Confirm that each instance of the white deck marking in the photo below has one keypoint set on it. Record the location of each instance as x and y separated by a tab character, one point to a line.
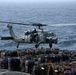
4	72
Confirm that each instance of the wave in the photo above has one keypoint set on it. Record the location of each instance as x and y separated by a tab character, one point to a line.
67	43
8	43
72	24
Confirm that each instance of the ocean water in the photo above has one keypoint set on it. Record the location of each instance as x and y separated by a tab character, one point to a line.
60	18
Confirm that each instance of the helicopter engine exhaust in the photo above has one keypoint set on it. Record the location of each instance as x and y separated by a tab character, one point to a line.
6	38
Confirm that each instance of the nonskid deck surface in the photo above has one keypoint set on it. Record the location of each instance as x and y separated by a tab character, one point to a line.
8	72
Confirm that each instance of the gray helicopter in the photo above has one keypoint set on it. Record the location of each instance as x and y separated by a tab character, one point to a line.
37	36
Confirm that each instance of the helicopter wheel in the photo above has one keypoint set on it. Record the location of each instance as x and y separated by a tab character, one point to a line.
50	45
18	45
36	46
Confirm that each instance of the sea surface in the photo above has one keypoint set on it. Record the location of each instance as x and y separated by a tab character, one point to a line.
60	18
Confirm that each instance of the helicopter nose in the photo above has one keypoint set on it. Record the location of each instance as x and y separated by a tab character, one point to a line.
48	40
52	40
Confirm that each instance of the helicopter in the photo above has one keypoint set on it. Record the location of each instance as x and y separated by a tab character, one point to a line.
37	35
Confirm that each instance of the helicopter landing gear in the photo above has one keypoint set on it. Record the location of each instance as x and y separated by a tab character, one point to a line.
18	45
37	45
50	45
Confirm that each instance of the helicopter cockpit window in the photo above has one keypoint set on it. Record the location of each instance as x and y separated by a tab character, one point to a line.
52	34
49	34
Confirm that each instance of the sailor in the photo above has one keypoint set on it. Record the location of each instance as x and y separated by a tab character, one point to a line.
15	64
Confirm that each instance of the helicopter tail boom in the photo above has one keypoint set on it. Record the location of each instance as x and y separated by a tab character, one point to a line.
6	38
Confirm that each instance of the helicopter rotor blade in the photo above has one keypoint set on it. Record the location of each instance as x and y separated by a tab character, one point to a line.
39	25
13	23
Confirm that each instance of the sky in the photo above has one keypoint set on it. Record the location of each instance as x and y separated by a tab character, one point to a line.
36	0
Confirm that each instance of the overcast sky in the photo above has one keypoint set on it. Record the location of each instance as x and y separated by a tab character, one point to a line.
35	0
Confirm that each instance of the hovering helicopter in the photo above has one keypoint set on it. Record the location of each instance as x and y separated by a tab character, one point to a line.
37	35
